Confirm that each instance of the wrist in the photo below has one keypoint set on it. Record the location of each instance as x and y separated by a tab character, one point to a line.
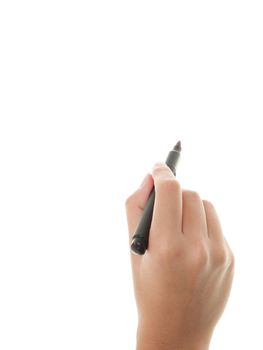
151	345
158	341
145	344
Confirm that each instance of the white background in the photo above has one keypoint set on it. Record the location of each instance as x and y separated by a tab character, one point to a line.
92	94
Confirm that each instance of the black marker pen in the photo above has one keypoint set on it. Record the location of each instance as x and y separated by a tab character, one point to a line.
141	236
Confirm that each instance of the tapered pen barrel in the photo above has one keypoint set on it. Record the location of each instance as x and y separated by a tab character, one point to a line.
140	238
172	160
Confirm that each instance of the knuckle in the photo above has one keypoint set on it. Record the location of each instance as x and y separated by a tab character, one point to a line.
227	255
169	185
220	256
200	256
231	259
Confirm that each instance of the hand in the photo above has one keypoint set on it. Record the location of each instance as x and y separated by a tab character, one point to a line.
183	280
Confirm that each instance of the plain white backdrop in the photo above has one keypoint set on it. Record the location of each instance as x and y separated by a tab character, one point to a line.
92	94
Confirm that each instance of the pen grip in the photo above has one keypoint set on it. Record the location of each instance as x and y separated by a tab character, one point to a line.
141	236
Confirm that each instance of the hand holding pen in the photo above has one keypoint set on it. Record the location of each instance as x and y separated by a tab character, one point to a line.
141	236
183	281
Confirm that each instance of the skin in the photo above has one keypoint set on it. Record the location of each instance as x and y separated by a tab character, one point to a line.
182	282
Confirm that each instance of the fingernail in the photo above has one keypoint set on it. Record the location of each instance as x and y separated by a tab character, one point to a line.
144	181
158	164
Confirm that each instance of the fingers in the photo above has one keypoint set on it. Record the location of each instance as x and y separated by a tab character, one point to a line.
175	212
194	217
167	211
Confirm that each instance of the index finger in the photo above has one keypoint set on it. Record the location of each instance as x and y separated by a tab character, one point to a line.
167	211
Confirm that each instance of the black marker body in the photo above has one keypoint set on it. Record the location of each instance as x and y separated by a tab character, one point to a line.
141	236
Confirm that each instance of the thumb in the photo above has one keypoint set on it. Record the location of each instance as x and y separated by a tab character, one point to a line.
136	202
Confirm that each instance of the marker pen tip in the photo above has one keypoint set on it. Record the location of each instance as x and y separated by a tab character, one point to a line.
178	146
